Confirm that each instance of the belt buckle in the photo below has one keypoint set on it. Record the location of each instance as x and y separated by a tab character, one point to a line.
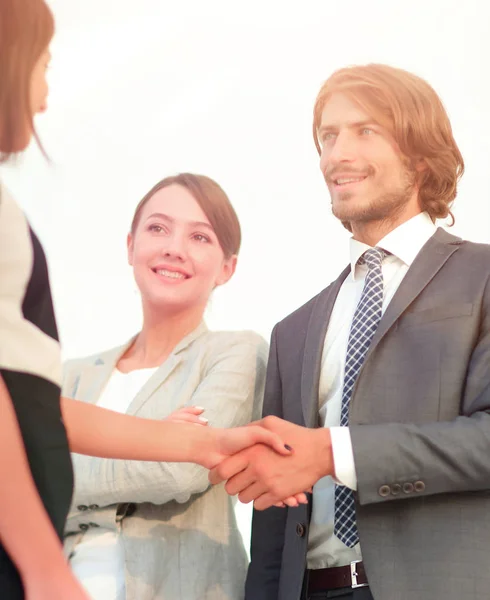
354	575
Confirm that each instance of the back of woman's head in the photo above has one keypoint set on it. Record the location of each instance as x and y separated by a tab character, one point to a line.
214	203
26	29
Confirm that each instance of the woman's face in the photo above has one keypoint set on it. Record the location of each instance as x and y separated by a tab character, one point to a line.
38	97
39	84
175	254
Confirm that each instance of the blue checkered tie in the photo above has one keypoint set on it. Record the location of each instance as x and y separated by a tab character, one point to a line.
364	324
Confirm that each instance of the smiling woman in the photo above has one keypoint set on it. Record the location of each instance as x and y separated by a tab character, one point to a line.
141	531
184	232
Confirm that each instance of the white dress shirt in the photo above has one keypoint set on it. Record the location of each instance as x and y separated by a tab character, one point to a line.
404	243
98	561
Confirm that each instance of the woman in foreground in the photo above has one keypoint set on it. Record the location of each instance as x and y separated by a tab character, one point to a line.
35	466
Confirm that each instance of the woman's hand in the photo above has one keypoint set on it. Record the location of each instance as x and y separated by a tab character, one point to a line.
231	441
223	443
59	584
187	414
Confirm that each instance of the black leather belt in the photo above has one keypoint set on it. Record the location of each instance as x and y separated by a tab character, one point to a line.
353	576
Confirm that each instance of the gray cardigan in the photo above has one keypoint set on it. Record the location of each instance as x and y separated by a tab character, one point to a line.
180	535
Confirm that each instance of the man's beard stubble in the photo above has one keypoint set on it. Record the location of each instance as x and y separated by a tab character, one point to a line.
387	206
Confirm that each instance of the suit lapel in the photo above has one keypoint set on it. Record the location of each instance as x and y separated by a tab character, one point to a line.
93	378
164	371
315	339
428	262
424	268
153	383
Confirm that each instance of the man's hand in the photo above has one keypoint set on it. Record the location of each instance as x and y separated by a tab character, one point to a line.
220	444
262	475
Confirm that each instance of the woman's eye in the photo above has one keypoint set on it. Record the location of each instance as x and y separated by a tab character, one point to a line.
201	238
155	228
367	131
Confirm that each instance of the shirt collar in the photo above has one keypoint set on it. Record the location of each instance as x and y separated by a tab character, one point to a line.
404	242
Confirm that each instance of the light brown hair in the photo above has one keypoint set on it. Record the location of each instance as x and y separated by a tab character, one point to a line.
26	29
408	107
214	203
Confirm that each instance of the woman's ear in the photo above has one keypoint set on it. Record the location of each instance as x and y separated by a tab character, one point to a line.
129	243
227	270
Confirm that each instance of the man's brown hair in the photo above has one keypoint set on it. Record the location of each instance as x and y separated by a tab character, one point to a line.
408	107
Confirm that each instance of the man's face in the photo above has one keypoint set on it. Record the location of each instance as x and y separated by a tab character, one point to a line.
366	175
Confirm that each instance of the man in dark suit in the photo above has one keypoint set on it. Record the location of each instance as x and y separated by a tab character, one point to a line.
381	382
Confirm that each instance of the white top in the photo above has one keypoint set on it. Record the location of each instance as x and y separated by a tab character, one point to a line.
404	243
28	342
98	562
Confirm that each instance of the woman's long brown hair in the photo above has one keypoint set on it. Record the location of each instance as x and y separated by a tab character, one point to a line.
26	29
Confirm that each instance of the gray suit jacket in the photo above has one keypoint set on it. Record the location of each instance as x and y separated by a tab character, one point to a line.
180	536
420	427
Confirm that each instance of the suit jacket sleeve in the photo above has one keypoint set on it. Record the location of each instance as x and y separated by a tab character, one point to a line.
441	456
268	527
231	392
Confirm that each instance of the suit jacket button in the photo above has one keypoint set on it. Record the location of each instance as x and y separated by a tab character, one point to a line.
83	526
408	488
94	506
384	491
396	488
300	530
82	507
419	486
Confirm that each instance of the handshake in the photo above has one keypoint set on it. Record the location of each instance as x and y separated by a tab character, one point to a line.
271	462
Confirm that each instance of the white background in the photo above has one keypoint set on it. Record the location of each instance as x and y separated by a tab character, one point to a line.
141	90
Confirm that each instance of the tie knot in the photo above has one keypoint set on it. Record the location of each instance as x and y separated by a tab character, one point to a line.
373	258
